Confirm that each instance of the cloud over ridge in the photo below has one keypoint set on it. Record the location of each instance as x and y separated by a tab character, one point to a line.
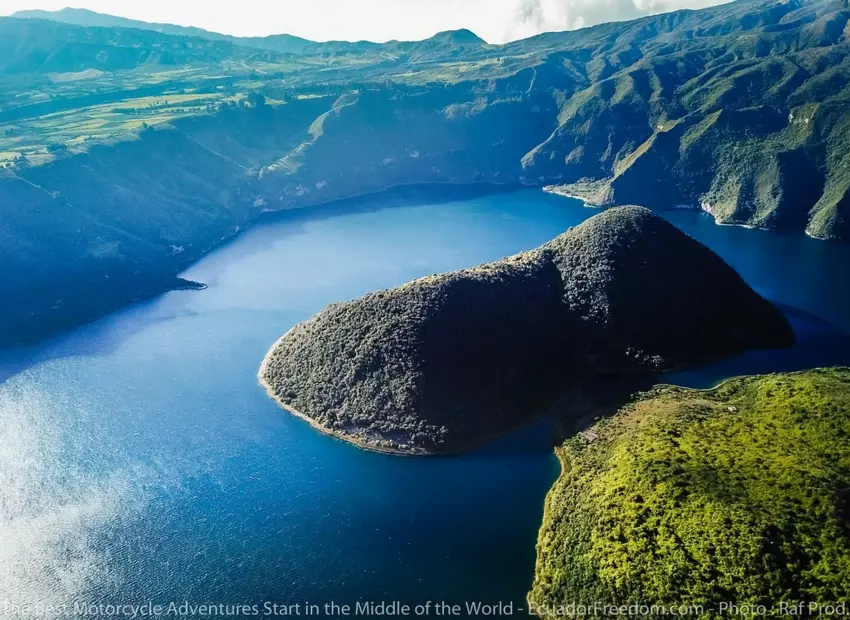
532	17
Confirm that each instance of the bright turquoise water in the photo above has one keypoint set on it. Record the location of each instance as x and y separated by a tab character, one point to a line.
140	460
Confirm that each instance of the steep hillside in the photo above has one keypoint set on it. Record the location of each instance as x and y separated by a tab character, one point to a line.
378	138
741	110
738	109
141	209
88	233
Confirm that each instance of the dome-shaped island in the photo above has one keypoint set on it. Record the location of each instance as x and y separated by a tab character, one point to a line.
447	362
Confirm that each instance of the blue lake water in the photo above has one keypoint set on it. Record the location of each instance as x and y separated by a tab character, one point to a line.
140	460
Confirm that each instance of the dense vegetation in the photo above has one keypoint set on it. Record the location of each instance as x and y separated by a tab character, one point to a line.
446	362
125	145
733	495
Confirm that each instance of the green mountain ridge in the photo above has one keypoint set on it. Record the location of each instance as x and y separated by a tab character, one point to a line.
282	43
154	147
37	46
83	17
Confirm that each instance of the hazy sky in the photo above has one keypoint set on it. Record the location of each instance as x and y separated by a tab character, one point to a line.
376	20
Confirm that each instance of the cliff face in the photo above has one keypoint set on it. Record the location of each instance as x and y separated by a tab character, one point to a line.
687	497
764	167
376	139
739	109
446	362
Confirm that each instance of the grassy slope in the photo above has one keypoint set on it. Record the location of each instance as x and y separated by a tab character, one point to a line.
698	497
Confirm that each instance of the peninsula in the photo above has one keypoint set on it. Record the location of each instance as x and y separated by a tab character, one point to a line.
730	496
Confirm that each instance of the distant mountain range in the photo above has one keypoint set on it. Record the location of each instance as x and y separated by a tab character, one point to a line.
153	146
282	43
79	39
83	17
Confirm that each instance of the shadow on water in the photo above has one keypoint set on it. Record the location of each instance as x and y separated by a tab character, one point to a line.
532	440
576	409
819	344
105	335
242	501
99	338
402	196
272	226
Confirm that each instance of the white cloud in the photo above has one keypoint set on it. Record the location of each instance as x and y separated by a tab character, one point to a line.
535	16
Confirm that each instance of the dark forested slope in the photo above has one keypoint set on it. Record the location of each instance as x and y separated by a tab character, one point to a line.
446	362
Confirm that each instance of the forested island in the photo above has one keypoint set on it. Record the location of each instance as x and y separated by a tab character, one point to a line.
446	362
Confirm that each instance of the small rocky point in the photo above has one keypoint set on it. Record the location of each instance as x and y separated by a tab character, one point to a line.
447	362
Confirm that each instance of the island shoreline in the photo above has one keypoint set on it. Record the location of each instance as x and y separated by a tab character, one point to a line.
355	441
368	447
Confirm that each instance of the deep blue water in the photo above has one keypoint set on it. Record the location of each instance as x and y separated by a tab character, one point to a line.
140	460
